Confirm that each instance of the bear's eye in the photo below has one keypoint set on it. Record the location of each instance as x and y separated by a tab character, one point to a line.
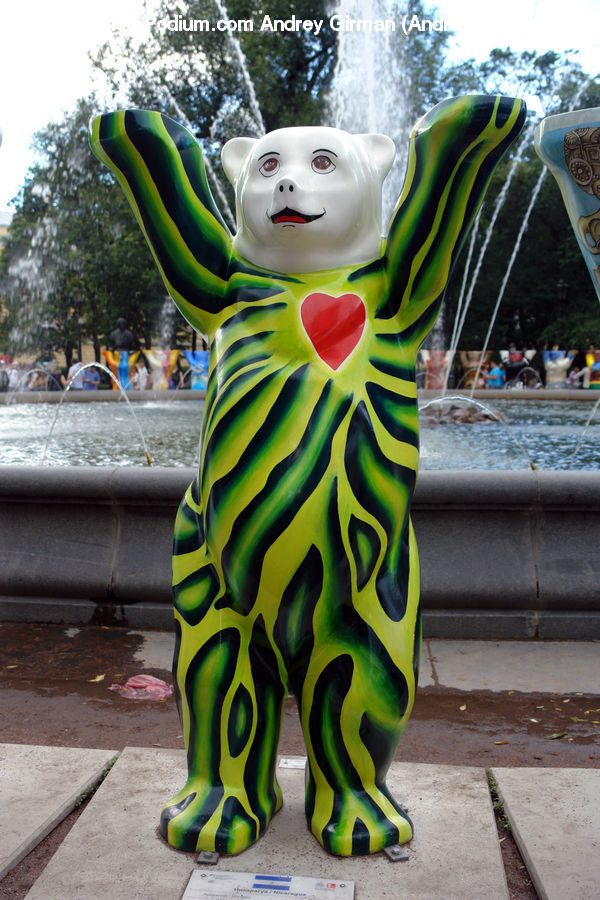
322	164
269	167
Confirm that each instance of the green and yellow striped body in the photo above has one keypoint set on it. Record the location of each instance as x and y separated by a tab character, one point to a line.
295	565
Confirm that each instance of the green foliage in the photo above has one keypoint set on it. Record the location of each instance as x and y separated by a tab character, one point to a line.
73	237
198	78
73	242
531	312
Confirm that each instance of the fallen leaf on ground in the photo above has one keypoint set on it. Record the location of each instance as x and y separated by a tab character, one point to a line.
502	742
97	678
463	707
557	735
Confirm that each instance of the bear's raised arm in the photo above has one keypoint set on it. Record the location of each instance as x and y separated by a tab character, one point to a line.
159	165
453	151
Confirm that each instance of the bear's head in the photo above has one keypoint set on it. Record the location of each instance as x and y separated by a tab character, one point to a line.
308	198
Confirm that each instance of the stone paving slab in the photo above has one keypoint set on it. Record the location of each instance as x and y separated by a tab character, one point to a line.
156	651
114	850
39	786
549	667
555	819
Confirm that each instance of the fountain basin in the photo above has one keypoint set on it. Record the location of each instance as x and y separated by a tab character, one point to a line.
542	426
100	396
92	545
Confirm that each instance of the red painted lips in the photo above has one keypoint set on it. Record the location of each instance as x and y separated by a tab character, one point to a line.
292	215
334	325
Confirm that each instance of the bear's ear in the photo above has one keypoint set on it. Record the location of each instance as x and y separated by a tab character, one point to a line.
234	154
380	150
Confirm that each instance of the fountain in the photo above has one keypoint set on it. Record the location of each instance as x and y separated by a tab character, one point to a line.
464	302
188	613
484	414
117	386
371	89
23	381
96	433
534	195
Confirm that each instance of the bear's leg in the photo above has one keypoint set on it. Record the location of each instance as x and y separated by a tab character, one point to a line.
231	705
230	697
353	715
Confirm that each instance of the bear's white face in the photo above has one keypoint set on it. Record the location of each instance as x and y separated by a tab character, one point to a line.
308	198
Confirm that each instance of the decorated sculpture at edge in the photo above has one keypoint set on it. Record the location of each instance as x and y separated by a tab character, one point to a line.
569	144
123	355
295	565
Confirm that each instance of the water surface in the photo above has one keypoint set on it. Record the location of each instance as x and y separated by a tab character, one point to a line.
103	434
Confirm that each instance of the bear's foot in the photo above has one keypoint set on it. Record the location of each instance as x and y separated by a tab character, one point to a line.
217	819
360	823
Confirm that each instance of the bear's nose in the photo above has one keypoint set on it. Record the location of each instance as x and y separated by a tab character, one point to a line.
286	186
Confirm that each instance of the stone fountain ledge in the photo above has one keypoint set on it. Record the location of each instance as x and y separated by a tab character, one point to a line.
504	554
514	394
106	396
100	396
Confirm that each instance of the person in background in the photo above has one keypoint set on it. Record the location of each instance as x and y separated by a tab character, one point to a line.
14	376
91	379
75	376
141	376
537	362
579	378
496	378
56	380
176	377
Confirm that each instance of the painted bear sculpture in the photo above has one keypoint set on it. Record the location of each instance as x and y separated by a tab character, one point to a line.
295	565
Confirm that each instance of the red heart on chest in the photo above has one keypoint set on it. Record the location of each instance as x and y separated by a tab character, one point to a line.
334	325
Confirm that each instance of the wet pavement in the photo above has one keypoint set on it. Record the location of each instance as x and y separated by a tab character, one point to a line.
54	690
510	706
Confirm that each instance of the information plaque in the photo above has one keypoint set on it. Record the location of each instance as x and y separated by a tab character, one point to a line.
241	885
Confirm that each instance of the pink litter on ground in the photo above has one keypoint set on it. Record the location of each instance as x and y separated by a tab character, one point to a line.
143	687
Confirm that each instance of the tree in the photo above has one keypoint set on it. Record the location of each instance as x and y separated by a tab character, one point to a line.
222	84
73	243
531	311
74	238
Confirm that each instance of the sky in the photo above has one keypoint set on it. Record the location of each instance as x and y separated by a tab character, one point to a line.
45	66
